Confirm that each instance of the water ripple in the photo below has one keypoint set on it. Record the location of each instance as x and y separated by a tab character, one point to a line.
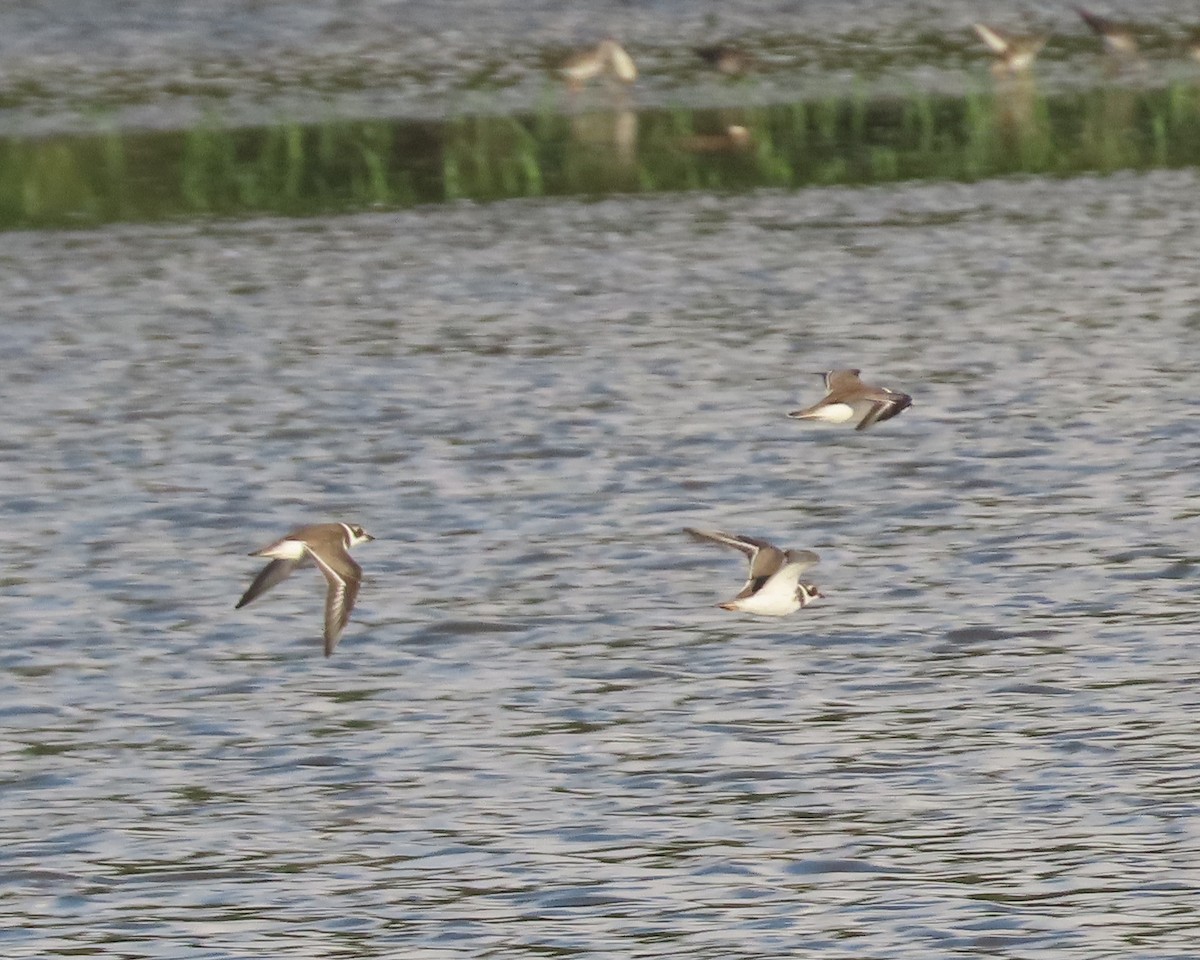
538	733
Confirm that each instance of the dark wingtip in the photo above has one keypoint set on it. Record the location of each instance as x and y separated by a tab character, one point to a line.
1097	23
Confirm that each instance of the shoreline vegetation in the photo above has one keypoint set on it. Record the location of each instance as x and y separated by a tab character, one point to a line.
342	165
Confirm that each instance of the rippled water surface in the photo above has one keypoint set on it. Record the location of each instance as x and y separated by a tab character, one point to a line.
538	735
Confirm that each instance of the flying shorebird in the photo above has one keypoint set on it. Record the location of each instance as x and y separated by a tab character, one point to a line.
1013	53
607	56
773	588
328	546
848	398
1118	37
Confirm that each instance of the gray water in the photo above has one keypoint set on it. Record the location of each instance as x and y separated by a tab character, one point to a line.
538	735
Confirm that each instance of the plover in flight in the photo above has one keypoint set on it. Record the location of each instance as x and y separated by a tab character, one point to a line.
328	546
773	588
1013	53
1118	38
848	398
607	56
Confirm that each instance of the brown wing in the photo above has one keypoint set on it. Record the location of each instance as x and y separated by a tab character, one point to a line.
338	603
274	572
841	382
765	558
885	404
344	576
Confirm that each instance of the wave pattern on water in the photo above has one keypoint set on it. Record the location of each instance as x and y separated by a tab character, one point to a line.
538	735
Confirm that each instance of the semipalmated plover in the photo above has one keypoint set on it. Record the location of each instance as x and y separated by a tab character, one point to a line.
1118	37
328	545
773	588
606	56
726	59
848	398
1013	53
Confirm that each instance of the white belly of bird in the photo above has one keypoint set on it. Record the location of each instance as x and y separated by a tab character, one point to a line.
777	598
833	413
286	550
